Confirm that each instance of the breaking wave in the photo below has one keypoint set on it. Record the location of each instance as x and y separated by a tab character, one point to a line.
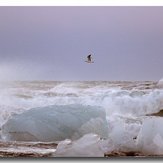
125	105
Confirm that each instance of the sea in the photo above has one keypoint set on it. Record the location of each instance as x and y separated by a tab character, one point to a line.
80	118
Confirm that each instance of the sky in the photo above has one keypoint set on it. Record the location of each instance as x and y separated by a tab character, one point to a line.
52	43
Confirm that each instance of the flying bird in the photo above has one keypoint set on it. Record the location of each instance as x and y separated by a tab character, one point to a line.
89	59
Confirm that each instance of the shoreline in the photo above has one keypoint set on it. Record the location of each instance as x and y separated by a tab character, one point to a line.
18	149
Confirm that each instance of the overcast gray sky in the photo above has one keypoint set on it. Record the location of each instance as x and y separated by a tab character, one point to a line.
51	43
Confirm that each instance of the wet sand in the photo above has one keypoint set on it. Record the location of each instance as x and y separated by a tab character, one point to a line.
158	114
27	149
43	149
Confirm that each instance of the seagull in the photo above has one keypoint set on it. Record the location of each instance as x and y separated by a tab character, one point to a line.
89	59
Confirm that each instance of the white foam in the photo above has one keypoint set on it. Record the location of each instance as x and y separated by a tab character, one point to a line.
114	100
160	83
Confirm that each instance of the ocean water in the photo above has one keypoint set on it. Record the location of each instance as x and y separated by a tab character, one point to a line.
125	107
